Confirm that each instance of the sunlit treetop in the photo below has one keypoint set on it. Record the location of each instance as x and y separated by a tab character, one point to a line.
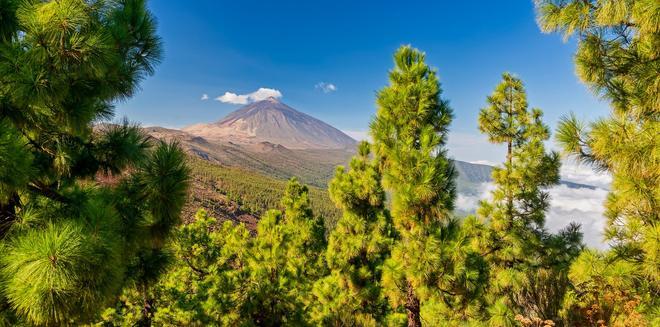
618	48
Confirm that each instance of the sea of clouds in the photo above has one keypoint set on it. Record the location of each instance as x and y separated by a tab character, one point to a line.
581	205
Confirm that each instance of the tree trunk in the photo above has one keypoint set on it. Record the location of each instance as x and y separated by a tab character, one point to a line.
412	308
509	159
509	196
147	310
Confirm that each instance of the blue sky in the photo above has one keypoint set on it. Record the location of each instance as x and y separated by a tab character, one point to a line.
213	47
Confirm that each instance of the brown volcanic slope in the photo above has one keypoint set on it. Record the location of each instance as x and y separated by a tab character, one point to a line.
239	182
311	166
273	121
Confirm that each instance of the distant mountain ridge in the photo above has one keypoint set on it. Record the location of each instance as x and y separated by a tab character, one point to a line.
275	122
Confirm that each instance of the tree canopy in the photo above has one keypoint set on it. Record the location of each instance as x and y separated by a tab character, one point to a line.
618	57
85	208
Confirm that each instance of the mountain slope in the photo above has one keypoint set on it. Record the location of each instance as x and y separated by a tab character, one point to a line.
312	166
273	121
471	176
241	195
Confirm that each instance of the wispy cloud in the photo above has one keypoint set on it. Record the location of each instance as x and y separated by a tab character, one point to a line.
469	202
325	87
205	97
262	93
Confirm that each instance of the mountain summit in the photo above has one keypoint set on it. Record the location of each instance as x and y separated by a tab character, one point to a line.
273	121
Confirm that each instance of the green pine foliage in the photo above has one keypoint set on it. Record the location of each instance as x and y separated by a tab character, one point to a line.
70	244
409	134
90	212
357	247
257	193
603	291
521	255
221	275
617	57
205	283
285	262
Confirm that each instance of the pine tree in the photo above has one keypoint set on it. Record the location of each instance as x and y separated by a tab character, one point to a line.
618	57
357	247
205	283
409	134
68	241
285	261
515	242
602	290
306	233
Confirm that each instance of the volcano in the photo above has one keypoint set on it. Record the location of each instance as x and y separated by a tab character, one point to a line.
272	121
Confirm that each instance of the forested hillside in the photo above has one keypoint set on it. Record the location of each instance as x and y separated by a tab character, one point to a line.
315	167
230	193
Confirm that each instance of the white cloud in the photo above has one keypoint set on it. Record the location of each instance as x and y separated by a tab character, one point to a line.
469	202
583	174
205	97
358	135
580	205
325	87
233	98
261	94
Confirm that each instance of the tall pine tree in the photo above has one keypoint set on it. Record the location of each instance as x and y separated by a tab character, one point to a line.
515	243
409	133
619	58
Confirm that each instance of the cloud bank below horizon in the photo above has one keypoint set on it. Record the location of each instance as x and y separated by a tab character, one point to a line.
581	205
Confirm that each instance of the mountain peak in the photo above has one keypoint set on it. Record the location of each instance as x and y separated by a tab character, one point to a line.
272	121
272	100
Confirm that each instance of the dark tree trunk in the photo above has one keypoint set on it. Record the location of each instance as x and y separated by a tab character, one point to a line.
147	310
509	196
412	308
